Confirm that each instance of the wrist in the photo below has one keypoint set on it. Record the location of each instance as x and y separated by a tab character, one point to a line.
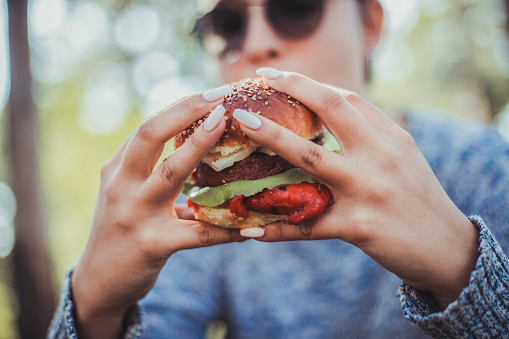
94	316
456	274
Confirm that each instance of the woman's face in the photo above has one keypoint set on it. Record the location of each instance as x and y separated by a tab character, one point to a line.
334	53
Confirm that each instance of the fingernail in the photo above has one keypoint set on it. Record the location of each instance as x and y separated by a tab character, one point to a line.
252	232
216	93
269	72
247	119
214	118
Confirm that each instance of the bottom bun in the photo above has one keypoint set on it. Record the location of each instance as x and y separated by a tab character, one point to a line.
222	216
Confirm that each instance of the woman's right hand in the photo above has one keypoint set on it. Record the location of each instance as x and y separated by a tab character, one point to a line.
135	227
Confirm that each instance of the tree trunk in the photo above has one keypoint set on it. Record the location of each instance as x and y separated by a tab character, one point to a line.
506	3
31	265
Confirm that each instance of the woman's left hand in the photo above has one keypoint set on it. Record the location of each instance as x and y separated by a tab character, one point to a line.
387	201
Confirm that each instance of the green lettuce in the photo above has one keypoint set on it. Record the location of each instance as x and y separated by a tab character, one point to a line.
332	144
215	196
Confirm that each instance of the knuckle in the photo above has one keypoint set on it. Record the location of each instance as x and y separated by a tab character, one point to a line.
353	98
145	131
380	191
189	103
147	241
168	170
306	229
277	137
107	170
312	155
361	232
195	142
332	102
205	235
406	140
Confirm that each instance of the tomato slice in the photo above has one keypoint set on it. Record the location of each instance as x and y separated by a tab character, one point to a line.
299	201
237	206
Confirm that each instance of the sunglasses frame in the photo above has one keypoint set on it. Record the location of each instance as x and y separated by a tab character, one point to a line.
204	26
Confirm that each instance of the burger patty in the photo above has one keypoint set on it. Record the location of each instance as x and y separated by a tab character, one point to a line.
256	166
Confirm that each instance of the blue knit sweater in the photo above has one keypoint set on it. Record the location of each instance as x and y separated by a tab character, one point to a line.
330	289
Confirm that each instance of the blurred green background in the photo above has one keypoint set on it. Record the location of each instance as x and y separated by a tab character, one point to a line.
101	67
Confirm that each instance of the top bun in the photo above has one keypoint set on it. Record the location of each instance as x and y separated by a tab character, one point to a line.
256	97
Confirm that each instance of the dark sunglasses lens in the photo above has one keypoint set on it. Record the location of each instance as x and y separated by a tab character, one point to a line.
221	31
294	18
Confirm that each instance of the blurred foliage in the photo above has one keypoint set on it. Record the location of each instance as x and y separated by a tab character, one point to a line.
453	59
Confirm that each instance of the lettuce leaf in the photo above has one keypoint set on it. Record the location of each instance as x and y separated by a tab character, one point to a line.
332	144
215	196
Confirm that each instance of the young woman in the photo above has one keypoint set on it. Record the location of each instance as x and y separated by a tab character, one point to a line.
419	201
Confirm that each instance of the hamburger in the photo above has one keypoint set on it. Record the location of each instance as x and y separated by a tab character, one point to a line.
241	184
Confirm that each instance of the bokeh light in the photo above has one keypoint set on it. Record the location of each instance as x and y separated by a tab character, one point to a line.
137	28
151	68
107	99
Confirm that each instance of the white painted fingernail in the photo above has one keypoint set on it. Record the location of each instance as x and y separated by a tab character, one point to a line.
269	72
214	118
252	232
247	119
217	93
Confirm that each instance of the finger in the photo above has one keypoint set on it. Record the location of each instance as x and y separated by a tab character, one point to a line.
339	116
317	161
166	182
114	162
191	234
313	229
375	117
147	144
184	212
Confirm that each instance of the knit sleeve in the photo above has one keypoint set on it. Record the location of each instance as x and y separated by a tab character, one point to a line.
63	324
481	310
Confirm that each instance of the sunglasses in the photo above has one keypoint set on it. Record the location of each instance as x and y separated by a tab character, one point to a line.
222	31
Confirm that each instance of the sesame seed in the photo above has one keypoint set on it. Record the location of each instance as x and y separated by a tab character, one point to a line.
266	103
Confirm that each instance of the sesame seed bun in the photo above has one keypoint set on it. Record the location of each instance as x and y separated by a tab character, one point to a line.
223	217
254	96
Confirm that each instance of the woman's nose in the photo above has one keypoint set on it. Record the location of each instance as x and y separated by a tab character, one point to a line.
261	43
